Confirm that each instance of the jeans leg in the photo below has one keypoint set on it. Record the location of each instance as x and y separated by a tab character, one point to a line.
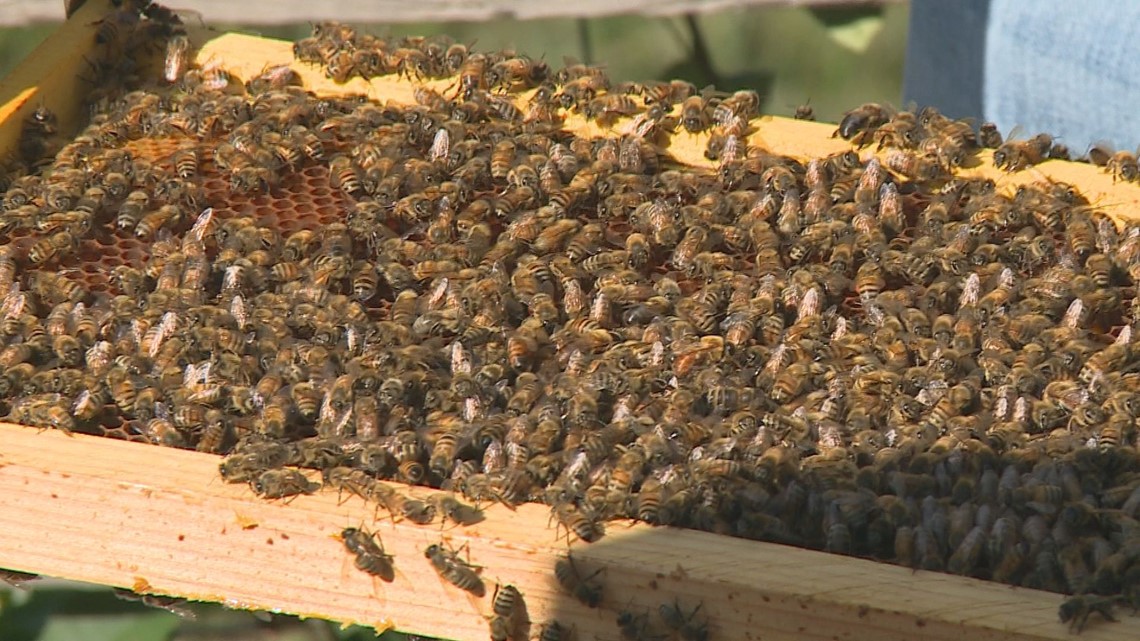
945	53
1065	68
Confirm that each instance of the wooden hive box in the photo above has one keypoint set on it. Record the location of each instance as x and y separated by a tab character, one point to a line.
160	520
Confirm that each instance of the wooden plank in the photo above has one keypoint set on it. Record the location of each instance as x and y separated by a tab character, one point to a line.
51	76
129	514
245	55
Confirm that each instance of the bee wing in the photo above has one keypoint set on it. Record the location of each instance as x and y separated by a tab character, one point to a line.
710	91
1100	152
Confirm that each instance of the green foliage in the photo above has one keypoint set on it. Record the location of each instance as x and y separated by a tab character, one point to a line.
63	611
16	43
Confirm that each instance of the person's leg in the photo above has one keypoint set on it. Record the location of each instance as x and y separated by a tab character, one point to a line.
945	53
1065	68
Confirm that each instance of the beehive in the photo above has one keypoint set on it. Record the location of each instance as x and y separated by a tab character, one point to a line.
264	210
305	200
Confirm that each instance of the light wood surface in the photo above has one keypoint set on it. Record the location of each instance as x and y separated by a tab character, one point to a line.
135	515
245	55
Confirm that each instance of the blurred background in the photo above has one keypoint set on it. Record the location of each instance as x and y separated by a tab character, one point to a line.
831	55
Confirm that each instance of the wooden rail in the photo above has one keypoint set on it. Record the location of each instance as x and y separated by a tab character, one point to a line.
249	55
160	520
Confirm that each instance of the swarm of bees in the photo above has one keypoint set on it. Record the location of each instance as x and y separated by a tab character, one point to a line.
868	356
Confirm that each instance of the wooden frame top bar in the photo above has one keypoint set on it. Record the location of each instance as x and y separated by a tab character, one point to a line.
160	520
249	55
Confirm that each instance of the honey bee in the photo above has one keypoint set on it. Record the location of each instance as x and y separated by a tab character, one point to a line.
583	524
965	556
172	605
164	217
37	133
282	483
605	260
666	94
370	555
694	114
275	77
161	431
345	174
454	570
1015	155
506	601
516	73
7	268
860	123
609	107
58	244
185	163
1076	609
687	626
456	511
415	510
53	288
585	589
43	410
502	158
131	210
1122	164
989	136
505	604
472	76
581	90
216	432
177	57
914	165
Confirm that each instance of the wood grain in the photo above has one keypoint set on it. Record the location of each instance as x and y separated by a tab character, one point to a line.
130	515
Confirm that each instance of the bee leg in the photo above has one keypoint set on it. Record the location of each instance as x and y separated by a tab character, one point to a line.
466	550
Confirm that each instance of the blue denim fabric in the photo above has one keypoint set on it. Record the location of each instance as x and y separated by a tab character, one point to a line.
945	55
1063	67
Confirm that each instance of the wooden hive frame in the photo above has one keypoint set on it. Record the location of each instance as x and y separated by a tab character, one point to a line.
160	520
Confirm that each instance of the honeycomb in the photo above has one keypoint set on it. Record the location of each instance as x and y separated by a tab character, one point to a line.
305	200
869	356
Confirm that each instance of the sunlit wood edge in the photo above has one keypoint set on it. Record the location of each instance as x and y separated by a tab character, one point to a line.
248	55
160	520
